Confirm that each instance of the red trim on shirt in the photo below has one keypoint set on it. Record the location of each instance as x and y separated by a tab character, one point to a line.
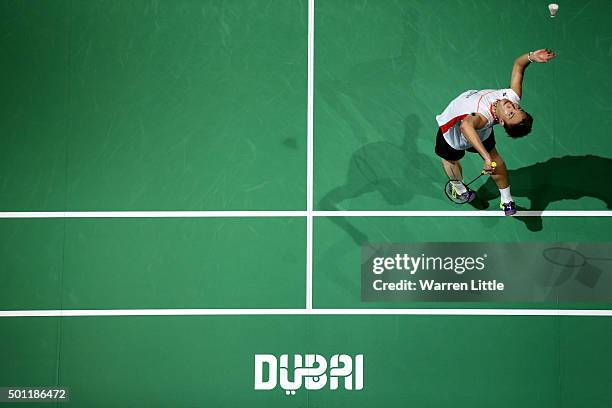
492	114
444	128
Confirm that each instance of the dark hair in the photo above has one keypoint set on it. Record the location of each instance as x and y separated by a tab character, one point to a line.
520	129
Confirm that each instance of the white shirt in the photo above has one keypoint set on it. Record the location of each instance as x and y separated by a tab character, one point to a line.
466	103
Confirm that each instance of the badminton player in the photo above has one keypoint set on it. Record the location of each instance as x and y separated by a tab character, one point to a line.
467	124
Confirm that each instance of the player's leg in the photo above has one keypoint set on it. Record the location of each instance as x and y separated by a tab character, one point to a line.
452	167
500	177
450	158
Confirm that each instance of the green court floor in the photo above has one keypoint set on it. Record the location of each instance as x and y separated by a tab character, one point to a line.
385	69
201	105
414	360
153	105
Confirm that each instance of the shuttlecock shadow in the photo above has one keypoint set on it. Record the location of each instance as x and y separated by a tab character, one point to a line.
557	179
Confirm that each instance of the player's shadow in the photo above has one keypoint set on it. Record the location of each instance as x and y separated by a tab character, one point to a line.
397	172
367	99
559	178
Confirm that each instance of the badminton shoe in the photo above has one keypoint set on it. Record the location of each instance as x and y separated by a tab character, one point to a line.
509	208
467	197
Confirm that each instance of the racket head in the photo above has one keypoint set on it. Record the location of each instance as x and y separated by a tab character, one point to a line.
452	194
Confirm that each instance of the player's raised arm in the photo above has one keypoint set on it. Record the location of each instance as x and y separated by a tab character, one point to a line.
516	81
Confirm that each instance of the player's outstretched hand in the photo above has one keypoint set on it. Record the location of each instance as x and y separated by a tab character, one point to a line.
543	55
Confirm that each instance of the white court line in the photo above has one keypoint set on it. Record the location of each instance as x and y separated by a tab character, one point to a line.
298	312
461	214
302	214
152	214
309	155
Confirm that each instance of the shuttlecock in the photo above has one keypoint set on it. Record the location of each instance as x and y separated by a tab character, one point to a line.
553	8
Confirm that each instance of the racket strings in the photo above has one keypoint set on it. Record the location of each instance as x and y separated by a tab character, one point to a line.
454	195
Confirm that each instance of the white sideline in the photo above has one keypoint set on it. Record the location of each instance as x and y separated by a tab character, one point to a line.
309	154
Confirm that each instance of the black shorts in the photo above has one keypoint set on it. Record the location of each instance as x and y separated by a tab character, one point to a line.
445	151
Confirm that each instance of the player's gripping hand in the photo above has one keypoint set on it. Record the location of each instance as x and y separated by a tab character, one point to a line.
543	55
488	167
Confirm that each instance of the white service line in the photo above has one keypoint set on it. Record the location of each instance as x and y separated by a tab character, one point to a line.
298	312
295	214
309	154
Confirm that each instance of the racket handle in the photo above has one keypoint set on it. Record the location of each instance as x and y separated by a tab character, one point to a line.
493	166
